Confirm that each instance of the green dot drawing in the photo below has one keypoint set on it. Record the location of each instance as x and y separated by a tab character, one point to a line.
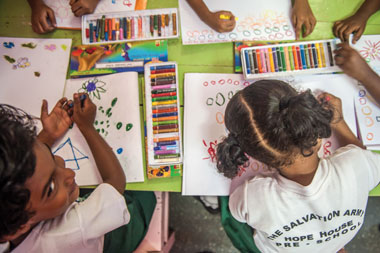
98	130
102	130
100	108
101	122
108	112
113	102
108	126
102	111
109	115
129	126
119	125
96	122
9	59
108	121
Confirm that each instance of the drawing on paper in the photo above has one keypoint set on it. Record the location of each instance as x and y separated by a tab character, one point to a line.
22	62
371	52
93	87
75	154
64	47
87	56
30	45
51	47
8	44
211	150
9	59
37	74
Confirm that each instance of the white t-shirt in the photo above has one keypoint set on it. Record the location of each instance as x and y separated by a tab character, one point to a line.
321	217
82	227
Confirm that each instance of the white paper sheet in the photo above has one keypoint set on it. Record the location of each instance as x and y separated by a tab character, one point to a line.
206	96
32	70
257	20
66	19
117	120
369	47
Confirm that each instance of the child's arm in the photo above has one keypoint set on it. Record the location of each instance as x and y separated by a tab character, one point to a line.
351	62
357	22
54	124
43	19
302	15
213	19
338	125
81	7
105	159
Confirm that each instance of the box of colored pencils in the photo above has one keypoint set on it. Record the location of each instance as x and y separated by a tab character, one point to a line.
130	26
164	141
163	171
309	57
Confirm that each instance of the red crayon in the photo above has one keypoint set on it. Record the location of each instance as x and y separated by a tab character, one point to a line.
299	57
158	71
109	29
165	110
164	94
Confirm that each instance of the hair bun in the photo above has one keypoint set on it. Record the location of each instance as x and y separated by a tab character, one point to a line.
230	156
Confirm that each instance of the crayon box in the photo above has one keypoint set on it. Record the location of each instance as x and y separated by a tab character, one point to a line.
162	113
311	57
136	25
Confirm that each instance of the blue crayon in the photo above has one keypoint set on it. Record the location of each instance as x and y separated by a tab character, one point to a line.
169	147
166	143
315	58
302	51
248	65
91	32
275	60
165	114
162	67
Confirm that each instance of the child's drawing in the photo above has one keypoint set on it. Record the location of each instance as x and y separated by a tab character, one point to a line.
211	150
256	21
8	44
30	45
9	59
93	87
50	47
371	52
22	63
88	55
73	154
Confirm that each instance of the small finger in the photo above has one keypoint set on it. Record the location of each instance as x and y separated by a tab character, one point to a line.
44	109
307	30
298	30
52	17
357	35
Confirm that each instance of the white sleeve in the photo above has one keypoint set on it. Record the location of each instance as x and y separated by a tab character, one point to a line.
103	211
373	160
238	203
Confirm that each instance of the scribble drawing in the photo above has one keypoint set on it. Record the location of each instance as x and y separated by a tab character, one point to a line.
93	87
50	47
30	45
22	62
371	52
211	150
77	155
326	149
9	59
8	44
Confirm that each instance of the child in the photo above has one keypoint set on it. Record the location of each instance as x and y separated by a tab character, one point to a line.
313	204
301	16
43	19
357	22
351	62
37	191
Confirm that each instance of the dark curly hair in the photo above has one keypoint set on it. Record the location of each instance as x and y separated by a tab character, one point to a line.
17	163
271	122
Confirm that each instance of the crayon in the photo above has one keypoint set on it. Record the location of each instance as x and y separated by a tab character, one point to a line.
175	138
267	60
106	29
172	108
294	50
140	29
163	79
164	94
165	122
165	152
254	61
151	25
174	147
263	60
162	67
161	131
299	57
260	68
322	48
307	57
167	143
166	156
90	32
163	91
125	30
331	59
81	98
271	61
132	27
287	62
97	28
315	57
250	55
162	82
155	24
159	87
168	114
318	51
158	71
102	27
162	75
311	56
121	29
167	102
291	57
174	20
279	60
275	60
164	110
164	98
109	29
303	60
159	24
160	119
248	62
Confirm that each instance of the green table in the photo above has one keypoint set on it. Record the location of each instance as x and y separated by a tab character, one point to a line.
211	58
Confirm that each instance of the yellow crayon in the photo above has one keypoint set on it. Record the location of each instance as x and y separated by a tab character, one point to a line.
164	102
322	54
226	17
319	55
271	60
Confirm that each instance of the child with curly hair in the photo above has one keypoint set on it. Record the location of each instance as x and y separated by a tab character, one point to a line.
312	204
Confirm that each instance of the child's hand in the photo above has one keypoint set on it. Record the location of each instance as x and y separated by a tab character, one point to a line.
43	19
351	62
335	104
84	112
354	24
220	25
56	123
81	7
302	15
